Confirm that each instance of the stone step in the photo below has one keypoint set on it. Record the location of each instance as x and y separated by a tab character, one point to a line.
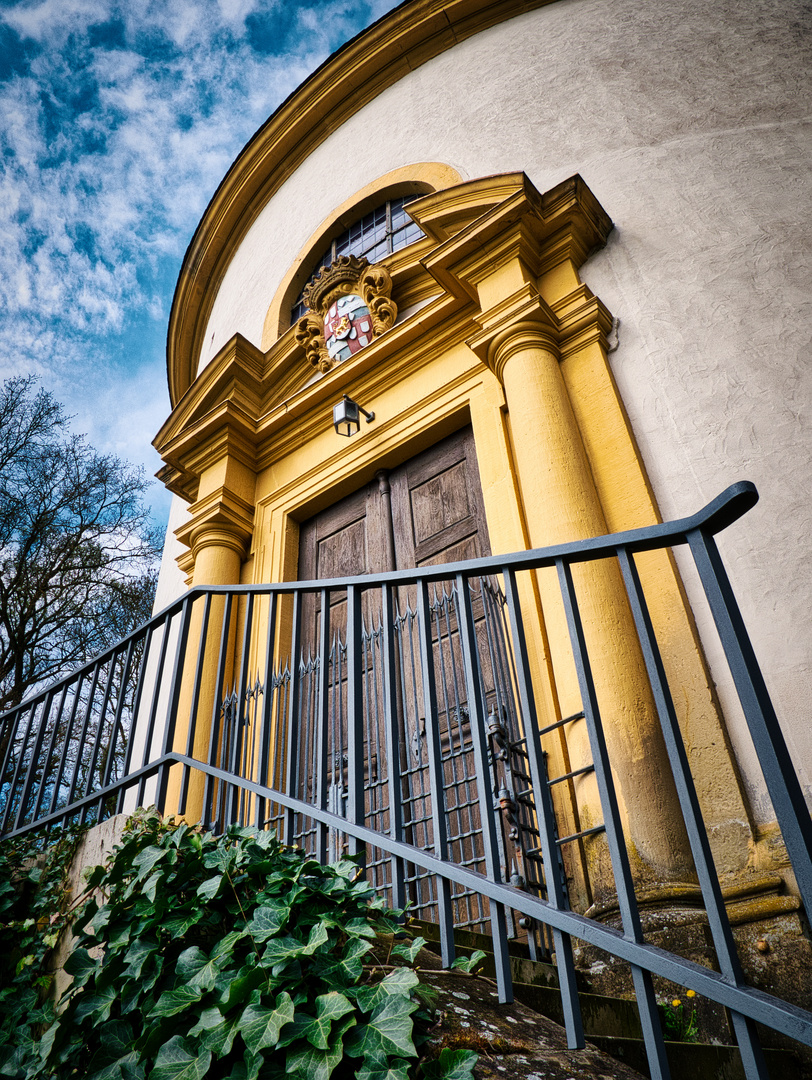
697	1061
601	1015
611	1024
523	969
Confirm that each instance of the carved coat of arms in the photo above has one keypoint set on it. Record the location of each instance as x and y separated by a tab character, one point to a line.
349	306
347	327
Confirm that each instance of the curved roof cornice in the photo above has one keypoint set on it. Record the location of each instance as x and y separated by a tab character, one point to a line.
398	43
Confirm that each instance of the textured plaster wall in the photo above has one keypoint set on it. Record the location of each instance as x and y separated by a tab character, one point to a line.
691	123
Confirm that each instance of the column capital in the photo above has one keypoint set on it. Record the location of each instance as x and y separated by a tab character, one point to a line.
525	320
521	321
222	519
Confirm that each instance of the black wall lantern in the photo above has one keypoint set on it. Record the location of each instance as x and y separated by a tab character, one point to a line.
347	416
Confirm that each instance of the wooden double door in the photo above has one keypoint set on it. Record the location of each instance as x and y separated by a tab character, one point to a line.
428	510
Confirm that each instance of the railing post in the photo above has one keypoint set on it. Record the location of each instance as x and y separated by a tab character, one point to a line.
435	755
153	710
746	1034
392	735
194	703
780	777
49	752
476	708
241	683
545	812
174	699
627	901
356	808
322	722
267	705
292	748
128	757
35	756
211	815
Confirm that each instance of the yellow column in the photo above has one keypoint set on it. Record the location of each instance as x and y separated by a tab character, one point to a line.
218	536
561	504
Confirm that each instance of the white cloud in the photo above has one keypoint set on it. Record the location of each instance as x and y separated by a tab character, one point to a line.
117	122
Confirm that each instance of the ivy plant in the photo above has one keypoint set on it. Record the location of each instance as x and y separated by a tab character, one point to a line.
234	957
33	913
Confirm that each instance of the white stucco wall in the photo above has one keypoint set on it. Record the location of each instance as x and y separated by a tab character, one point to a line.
171	580
691	123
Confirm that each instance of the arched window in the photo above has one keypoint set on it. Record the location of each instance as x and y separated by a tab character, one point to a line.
377	234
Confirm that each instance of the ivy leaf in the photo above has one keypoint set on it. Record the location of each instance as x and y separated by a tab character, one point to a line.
260	1026
94	877
397	1069
346	868
278	949
176	1062
318	937
221	858
450	1065
146	860
150	888
116	1069
316	1029
241	988
208	1019
357	928
468	963
351	964
81	965
210	888
116	1040
388	1032
220	1038
100	920
408	950
137	955
264	839
250	1066
175	1001
179	922
267	922
312	1064
217	1033
199	971
96	1005
400	981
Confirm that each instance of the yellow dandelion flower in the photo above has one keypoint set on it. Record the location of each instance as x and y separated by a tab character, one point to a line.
690	993
675	1004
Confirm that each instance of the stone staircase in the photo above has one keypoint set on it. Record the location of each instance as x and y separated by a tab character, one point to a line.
612	1024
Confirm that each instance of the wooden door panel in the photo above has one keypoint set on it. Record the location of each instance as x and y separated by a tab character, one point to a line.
437	505
439	502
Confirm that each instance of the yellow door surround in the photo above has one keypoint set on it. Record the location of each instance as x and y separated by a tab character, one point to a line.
497	328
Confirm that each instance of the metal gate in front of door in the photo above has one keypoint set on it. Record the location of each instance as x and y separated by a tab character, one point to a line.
311	738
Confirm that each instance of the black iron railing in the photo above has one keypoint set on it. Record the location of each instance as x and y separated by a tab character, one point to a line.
395	718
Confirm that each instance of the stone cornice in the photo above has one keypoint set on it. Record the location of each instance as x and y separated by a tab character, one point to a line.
564	224
377	58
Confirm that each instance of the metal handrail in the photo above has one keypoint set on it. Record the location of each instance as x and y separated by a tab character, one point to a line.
275	743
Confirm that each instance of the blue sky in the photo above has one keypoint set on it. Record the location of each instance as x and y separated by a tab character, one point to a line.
117	122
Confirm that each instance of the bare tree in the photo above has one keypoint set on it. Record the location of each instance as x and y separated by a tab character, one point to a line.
78	554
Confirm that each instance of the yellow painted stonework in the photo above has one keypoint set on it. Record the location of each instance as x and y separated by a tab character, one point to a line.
509	340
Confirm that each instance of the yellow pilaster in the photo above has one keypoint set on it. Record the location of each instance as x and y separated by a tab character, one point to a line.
561	504
219	536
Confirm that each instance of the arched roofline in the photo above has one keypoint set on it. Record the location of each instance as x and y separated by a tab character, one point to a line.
356	73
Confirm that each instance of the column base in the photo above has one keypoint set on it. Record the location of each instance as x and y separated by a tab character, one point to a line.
769	927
